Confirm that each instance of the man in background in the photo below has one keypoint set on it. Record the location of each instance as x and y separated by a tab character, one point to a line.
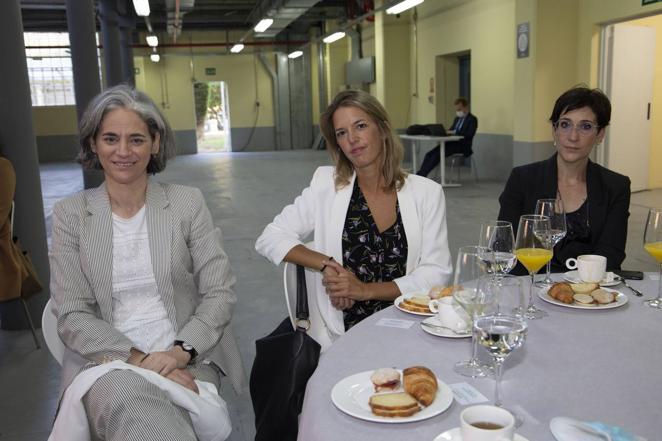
465	125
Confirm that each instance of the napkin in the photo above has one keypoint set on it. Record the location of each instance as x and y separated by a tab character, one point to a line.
568	429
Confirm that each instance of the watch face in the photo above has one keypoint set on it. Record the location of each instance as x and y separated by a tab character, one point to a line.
187	347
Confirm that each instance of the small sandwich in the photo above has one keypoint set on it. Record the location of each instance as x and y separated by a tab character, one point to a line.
584	288
439	291
603	297
385	379
398	404
416	304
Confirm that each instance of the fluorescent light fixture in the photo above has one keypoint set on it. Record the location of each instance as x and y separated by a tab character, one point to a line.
295	54
237	48
333	37
152	40
263	25
403	6
155	58
141	7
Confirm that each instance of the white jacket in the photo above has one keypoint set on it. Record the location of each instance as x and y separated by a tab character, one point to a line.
321	210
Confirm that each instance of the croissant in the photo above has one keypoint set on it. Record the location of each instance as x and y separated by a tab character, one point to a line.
420	383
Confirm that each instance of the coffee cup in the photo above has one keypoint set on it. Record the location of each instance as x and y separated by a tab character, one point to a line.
486	423
591	267
449	313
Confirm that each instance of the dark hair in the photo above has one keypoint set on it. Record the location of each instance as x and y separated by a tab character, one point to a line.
394	176
124	97
581	96
463	101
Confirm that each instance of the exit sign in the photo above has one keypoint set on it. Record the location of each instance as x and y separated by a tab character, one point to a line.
210	71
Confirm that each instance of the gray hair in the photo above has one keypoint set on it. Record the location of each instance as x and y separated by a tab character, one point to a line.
124	97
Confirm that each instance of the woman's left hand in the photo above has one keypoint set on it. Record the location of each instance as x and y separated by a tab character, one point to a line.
344	284
163	363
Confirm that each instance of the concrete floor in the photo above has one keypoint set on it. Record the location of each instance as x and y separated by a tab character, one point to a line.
243	191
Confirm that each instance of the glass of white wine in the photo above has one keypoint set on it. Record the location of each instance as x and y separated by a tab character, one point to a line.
533	250
497	238
500	335
653	245
470	291
552	208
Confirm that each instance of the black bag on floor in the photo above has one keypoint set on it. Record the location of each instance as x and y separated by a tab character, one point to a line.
284	361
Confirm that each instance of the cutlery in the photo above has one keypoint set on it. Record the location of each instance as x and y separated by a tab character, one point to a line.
446	328
636	292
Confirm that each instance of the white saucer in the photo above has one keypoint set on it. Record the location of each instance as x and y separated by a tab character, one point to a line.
573	277
455	435
441	332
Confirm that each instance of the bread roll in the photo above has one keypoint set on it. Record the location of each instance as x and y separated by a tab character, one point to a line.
584	288
583	299
421	383
438	291
602	296
562	292
385	379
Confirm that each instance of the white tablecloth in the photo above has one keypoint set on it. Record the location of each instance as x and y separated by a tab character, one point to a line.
589	365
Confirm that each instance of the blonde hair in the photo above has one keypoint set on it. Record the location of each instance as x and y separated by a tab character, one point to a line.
394	175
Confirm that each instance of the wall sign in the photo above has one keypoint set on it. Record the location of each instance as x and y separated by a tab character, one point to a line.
210	71
523	40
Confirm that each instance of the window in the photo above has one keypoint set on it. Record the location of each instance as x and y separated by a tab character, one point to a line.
49	68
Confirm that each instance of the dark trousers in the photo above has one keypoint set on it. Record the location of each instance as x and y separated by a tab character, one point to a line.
431	159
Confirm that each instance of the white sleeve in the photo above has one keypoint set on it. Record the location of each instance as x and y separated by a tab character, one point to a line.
290	227
434	266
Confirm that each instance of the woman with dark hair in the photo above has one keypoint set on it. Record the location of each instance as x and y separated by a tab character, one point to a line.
596	200
378	232
141	285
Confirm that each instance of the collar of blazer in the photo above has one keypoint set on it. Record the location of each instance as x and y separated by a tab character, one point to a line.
97	246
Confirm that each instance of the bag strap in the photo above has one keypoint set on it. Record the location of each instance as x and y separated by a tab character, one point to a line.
302	298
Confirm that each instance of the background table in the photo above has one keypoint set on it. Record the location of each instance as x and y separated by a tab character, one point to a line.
417	140
589	365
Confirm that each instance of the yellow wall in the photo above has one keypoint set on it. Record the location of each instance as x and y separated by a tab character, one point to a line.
487	29
526	11
396	67
337	54
50	121
655	169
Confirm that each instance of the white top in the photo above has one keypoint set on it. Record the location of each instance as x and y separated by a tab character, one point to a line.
138	311
321	210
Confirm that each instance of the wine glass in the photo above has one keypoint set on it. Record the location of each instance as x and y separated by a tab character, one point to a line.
469	290
498	239
653	245
510	297
533	250
500	335
552	208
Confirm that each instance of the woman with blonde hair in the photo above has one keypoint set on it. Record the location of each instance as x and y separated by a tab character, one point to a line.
378	232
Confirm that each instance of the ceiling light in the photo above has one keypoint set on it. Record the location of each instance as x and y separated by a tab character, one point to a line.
141	7
295	54
263	25
152	40
237	48
155	58
333	37
403	6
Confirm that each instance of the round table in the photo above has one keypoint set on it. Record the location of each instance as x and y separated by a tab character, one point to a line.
589	365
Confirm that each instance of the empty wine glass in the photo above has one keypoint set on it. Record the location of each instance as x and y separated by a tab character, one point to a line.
533	250
509	295
653	245
469	290
553	209
498	240
500	335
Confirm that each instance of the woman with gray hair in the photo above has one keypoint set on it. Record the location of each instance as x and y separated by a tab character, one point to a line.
142	287
378	232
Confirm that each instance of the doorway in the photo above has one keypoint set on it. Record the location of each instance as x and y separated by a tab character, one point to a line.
453	79
212	116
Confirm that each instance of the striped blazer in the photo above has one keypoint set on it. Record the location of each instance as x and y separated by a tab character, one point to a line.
191	269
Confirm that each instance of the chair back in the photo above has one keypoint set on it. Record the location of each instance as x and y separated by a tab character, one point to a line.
49	329
317	328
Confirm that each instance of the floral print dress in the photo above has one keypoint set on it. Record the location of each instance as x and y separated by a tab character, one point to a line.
372	256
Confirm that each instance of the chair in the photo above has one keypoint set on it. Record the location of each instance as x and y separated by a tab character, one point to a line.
317	329
49	329
457	160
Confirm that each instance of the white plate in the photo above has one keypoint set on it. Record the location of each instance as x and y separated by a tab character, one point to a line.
573	277
621	299
440	332
351	395
455	435
400	299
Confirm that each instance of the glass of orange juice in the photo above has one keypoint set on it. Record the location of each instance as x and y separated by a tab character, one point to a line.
533	248
653	245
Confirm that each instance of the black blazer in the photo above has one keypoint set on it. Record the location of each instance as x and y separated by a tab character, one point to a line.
468	130
608	205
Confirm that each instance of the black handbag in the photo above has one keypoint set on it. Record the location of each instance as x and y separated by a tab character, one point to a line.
284	361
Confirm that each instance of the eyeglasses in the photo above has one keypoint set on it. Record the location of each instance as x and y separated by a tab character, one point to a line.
585	128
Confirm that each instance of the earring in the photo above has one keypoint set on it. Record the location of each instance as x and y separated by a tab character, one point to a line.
554	143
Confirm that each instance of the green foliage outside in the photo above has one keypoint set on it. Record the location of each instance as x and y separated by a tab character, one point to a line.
201	95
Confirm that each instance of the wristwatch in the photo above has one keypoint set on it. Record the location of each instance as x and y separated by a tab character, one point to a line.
187	348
